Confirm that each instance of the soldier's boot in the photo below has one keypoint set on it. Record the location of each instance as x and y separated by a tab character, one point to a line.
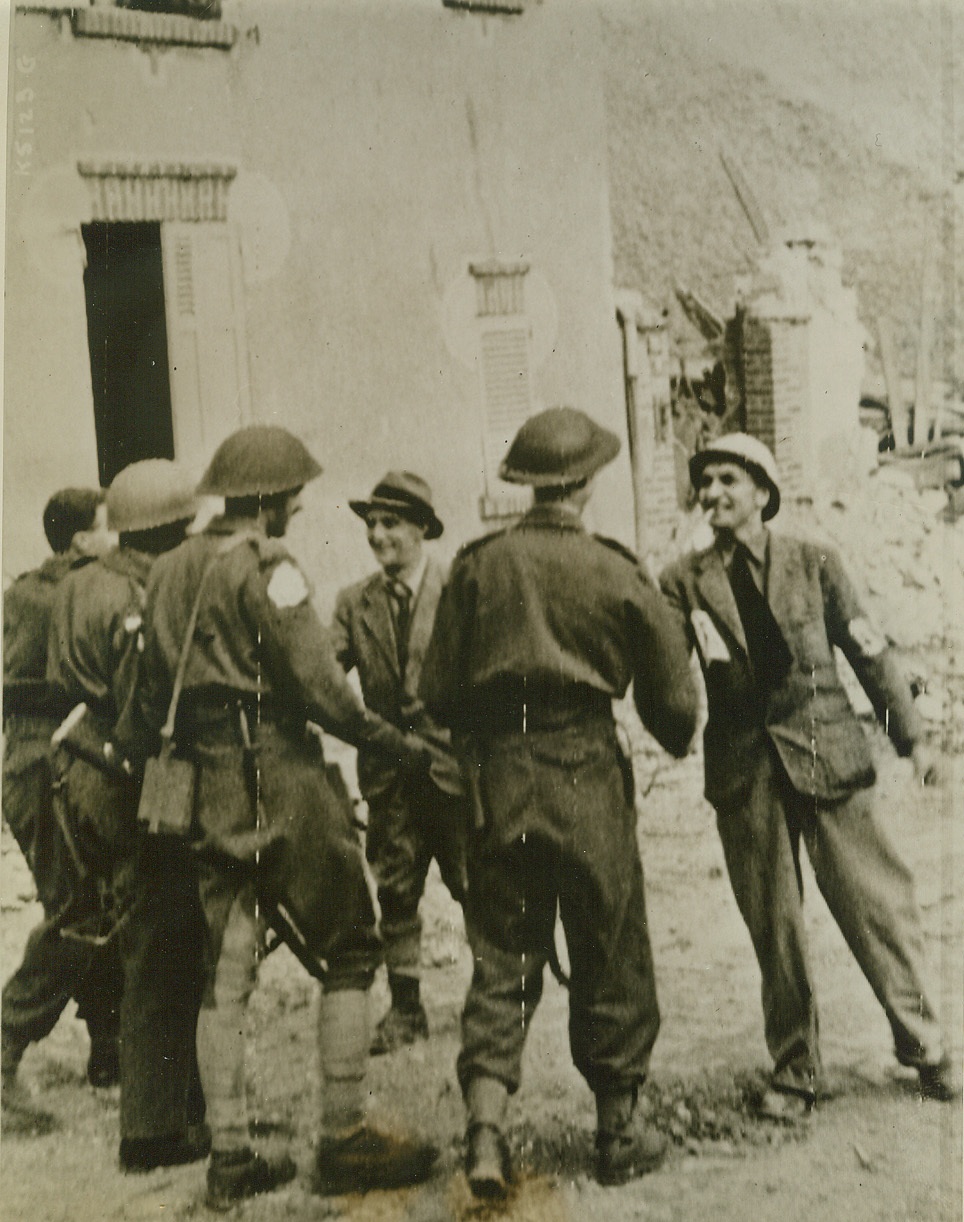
235	1175
488	1166
940	1081
353	1155
626	1146
406	1021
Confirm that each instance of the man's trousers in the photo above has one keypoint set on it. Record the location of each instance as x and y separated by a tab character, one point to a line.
870	894
409	824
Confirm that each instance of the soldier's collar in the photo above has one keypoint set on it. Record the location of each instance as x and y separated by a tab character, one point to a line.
225	524
129	562
555	515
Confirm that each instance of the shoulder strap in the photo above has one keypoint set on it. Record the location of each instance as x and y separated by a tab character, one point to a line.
167	730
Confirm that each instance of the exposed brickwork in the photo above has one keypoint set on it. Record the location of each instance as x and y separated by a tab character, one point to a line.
776	384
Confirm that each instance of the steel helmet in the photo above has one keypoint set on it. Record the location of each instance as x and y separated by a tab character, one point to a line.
751	454
259	460
559	446
153	492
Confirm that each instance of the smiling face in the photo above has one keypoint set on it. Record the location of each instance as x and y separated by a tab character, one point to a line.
396	541
732	499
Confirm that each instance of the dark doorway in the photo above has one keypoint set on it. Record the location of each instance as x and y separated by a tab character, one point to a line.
127	337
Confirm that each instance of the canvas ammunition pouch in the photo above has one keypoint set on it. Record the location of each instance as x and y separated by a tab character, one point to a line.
170	780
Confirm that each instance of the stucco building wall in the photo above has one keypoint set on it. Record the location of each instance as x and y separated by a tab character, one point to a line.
379	148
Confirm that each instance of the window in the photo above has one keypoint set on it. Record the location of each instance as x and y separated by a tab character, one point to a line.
165	311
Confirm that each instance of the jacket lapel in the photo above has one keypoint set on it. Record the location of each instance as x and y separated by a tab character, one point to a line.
714	588
786	583
377	618
423	620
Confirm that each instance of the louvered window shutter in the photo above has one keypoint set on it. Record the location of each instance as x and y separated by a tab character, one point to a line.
203	292
504	369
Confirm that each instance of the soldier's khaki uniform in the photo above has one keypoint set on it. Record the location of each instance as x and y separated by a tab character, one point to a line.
53	969
260	648
538	630
95	650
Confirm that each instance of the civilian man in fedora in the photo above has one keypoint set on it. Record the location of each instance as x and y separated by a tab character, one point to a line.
381	628
787	760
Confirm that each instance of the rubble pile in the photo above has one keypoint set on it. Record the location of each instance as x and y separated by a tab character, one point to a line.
906	557
896	546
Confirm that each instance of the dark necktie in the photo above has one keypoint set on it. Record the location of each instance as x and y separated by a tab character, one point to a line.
401	597
769	654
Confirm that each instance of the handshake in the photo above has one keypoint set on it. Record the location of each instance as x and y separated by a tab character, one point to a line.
418	754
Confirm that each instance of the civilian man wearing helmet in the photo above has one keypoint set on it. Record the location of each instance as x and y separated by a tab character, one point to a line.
93	658
381	628
786	758
260	667
53	969
539	629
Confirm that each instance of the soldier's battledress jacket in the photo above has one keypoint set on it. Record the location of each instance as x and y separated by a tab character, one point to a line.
31	712
259	646
547	608
93	653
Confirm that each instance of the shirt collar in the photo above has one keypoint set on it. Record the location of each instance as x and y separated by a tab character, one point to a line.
757	548
414	581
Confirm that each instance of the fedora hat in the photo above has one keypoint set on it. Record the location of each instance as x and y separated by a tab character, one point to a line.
559	446
407	495
749	453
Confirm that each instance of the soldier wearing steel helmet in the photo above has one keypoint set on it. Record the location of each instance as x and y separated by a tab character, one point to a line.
539	629
272	819
53	969
786	759
93	661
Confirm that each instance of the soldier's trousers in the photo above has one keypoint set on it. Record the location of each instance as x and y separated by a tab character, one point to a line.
314	868
870	894
54	969
560	831
409	824
162	946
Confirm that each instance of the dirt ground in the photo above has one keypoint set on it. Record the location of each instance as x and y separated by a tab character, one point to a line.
872	1152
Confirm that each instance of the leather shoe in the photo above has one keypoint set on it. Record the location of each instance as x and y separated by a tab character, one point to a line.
784	1107
940	1082
398	1028
368	1158
488	1166
235	1175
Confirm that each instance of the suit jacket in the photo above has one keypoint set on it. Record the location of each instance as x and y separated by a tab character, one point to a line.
808	718
364	638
